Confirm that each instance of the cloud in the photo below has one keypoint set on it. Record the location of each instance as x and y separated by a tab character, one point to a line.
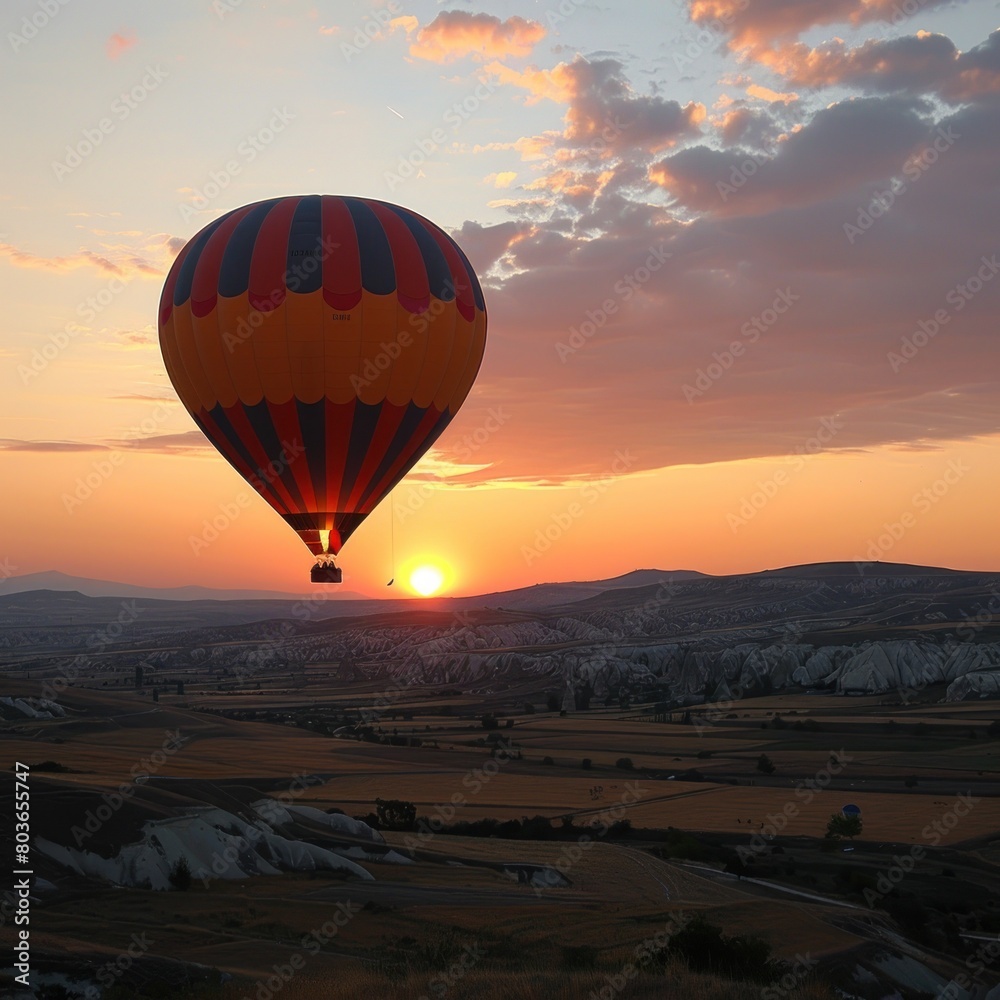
170	444
769	95
754	28
118	43
605	115
594	338
457	34
144	398
924	63
146	256
847	144
503	179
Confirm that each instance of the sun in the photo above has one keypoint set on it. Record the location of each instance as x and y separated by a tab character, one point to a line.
426	580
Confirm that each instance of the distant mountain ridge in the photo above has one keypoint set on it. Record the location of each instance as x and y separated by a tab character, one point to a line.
53	580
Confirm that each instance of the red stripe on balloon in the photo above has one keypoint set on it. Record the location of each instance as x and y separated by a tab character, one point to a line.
341	256
413	289
339	418
389	419
285	418
408	455
268	264
248	437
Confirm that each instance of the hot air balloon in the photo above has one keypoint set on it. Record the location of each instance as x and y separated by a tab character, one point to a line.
322	344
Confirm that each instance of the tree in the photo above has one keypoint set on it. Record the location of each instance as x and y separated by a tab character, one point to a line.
180	875
765	765
395	814
552	703
586	763
489	721
624	763
843	826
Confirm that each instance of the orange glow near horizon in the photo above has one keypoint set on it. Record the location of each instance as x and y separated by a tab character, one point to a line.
153	522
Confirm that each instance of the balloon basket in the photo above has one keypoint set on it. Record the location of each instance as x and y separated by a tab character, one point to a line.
326	574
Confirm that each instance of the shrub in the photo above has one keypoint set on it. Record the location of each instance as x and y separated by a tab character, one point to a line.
624	764
395	814
705	948
765	765
586	763
180	875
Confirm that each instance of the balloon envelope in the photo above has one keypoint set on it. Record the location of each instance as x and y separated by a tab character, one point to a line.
322	344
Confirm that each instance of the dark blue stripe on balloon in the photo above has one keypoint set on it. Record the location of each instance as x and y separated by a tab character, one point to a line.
476	289
438	272
263	425
312	423
378	273
185	277
234	274
305	247
403	436
362	431
435	433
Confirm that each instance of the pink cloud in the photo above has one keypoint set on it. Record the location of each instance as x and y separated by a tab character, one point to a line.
456	34
119	42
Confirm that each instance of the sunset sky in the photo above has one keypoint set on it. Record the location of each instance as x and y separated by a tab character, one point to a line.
741	260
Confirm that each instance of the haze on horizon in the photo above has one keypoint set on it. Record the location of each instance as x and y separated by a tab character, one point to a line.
739	261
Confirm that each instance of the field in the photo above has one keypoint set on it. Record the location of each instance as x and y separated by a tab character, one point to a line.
905	766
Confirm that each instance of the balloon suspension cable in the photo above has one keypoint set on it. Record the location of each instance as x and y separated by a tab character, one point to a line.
392	541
